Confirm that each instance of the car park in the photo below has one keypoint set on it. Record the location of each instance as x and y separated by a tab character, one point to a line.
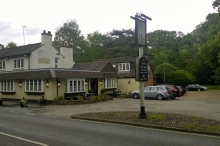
157	92
196	87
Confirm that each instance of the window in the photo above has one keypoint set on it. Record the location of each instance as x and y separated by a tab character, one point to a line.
34	85
124	66
19	63
153	89
7	86
110	83
56	62
75	85
2	64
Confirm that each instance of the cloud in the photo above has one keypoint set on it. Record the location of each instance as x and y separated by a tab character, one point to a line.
4	25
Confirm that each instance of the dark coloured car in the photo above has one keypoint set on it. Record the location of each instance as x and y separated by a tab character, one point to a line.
196	87
176	91
182	89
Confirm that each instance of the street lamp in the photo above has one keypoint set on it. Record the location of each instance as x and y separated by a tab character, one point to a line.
164	73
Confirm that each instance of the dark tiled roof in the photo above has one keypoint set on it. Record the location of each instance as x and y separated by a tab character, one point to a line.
90	66
15	51
131	60
31	74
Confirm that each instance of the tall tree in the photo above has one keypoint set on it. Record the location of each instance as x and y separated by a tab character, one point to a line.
11	45
216	4
70	34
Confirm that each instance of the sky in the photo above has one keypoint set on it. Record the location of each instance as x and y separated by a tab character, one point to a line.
93	15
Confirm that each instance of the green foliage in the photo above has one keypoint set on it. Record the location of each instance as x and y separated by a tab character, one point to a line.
59	98
213	87
94	98
91	91
216	4
79	98
102	91
181	77
11	45
156	117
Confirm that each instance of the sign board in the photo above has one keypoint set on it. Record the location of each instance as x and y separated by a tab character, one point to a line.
141	73
140	32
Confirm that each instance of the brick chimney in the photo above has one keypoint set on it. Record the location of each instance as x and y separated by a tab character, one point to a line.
1	47
46	38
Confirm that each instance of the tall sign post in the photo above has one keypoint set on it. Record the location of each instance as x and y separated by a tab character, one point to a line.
141	73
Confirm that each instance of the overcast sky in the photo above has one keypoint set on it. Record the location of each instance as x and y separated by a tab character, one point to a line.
92	15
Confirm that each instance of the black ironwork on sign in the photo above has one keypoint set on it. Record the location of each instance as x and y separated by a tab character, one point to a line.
143	69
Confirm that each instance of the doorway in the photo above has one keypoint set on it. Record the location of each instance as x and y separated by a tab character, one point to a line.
94	86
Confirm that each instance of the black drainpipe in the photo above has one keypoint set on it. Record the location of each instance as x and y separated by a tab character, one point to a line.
57	87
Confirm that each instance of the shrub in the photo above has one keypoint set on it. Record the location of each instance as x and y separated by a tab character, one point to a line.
102	91
80	98
91	91
59	98
94	98
100	96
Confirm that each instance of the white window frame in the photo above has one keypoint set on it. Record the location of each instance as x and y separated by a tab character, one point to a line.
19	63
7	86
124	66
34	85
2	65
56	62
75	85
110	83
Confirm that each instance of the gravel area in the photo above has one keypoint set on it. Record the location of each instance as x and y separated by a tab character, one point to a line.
158	119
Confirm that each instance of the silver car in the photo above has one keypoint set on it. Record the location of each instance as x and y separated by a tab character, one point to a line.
158	92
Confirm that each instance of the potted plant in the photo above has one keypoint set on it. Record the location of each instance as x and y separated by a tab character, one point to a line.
42	101
23	102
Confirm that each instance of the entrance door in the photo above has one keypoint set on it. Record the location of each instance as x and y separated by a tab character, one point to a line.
94	86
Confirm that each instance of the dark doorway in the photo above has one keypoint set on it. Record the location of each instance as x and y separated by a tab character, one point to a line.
94	86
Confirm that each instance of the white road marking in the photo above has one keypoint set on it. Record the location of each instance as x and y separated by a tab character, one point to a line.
13	112
169	131
29	114
50	117
27	140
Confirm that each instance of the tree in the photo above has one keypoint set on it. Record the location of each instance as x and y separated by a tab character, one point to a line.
121	44
11	45
216	4
68	33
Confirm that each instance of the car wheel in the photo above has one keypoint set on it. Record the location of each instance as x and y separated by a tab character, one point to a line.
135	96
160	97
173	97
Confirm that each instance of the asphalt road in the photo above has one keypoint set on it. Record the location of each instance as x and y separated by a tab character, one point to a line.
31	129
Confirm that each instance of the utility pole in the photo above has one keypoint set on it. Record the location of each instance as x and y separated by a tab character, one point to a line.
23	33
141	73
164	73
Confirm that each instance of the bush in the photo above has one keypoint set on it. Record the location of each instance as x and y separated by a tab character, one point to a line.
95	98
102	91
100	96
80	98
59	98
91	91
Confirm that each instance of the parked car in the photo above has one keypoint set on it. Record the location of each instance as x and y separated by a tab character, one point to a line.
176	91
196	87
182	89
158	92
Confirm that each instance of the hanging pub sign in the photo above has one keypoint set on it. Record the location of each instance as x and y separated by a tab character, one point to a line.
140	31
141	73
